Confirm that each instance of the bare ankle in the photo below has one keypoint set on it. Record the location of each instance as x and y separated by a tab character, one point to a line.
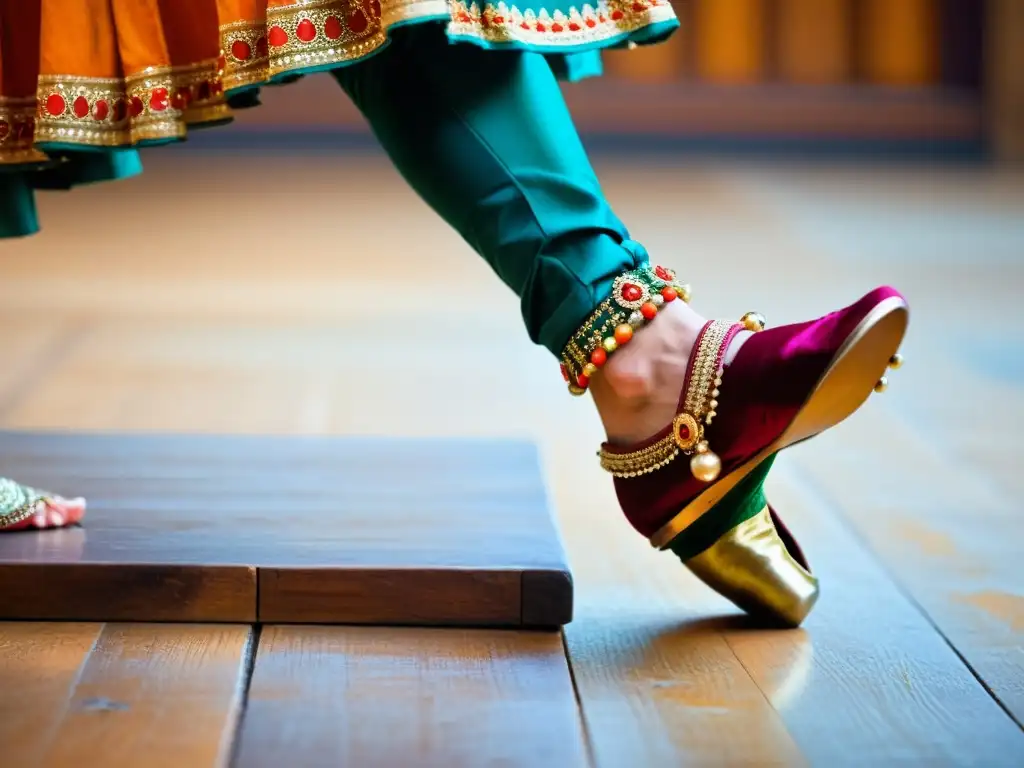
637	391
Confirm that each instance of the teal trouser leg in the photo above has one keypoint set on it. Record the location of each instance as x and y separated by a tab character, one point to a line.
486	140
17	206
17	187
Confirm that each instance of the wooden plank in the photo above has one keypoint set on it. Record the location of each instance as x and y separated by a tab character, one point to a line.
425	596
870	681
366	696
664	679
657	680
954	545
99	591
39	666
155	695
182	523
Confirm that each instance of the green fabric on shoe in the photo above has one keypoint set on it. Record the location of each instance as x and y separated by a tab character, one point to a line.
739	505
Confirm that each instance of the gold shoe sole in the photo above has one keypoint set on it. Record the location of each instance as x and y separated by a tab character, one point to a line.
844	386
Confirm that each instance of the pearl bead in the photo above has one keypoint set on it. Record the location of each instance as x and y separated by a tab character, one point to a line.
685	292
882	385
657	300
754	321
715	392
705	466
636	319
713	404
896	361
610	344
589	370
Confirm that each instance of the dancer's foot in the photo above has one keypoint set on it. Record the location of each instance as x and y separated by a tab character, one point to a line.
23	508
659	398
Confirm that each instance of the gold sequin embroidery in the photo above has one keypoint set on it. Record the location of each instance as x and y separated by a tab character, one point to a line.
593	23
156	103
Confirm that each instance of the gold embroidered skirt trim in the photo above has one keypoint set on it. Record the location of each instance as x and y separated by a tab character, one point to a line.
155	104
110	80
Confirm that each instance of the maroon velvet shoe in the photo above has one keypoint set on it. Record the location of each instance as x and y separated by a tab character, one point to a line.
784	386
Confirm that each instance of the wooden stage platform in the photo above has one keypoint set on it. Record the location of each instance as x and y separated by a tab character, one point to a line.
307	295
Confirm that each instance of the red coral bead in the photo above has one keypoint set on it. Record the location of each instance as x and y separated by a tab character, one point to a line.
669	294
582	381
648	310
599	357
623	333
565	373
333	28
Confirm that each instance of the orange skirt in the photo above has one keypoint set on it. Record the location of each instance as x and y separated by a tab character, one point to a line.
80	74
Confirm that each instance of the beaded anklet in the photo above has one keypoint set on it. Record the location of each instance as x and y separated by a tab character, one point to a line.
636	298
696	410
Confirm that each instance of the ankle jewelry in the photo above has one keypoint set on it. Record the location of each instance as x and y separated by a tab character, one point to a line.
636	298
17	502
696	410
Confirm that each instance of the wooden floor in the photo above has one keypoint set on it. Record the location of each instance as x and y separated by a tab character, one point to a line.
316	295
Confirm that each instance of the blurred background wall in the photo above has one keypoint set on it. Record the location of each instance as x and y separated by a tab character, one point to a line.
932	76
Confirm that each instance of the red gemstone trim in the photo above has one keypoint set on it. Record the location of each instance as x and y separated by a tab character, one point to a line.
114	112
502	23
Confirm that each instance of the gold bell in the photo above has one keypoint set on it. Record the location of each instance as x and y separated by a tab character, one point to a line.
575	390
705	464
754	321
882	385
896	361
